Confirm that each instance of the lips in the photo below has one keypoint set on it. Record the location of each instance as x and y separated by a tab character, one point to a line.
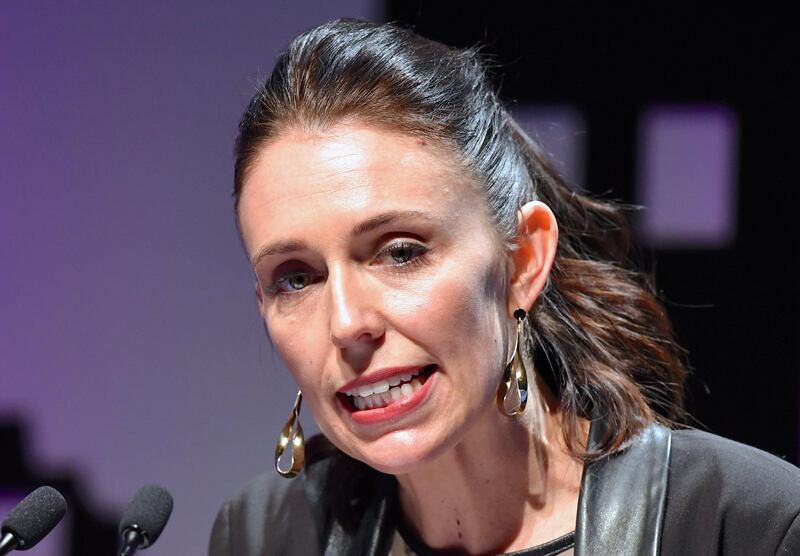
376	377
384	388
384	415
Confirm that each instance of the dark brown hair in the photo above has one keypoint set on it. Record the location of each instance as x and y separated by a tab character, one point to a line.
598	333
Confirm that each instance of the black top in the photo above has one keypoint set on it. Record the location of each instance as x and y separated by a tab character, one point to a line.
550	548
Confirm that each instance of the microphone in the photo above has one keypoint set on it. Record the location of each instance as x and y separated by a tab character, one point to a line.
32	519
144	518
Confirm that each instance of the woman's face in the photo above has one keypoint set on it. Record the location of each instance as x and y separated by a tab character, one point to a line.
376	261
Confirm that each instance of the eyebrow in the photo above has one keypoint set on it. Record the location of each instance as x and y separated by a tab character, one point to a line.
373	223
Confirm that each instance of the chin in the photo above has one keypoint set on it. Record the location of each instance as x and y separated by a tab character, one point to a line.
401	452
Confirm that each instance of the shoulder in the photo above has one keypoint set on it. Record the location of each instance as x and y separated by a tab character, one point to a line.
729	494
739	469
273	515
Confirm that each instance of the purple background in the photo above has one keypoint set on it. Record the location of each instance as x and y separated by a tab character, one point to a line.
129	339
687	176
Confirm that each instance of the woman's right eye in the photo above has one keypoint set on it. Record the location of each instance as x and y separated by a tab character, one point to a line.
292	282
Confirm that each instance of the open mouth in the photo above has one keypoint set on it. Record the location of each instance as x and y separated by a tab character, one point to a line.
386	392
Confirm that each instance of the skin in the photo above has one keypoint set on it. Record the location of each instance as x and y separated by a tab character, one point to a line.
431	285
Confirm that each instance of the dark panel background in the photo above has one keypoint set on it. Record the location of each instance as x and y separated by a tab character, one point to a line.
734	309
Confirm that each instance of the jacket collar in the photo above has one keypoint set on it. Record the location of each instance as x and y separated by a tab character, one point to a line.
623	497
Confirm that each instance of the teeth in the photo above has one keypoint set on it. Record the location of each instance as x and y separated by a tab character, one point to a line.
384	385
391	395
365	391
380	387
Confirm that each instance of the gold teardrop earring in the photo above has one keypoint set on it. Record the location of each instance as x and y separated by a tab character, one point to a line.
297	441
512	395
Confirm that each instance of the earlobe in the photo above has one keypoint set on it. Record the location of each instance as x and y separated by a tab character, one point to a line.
532	259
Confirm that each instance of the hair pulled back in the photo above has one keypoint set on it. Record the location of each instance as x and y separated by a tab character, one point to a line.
597	333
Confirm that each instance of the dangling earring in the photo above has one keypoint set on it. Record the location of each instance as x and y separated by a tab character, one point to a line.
297	440
512	395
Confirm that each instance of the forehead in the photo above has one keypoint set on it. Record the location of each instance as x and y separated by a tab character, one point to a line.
322	182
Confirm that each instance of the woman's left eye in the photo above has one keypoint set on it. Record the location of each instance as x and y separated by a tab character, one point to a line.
403	252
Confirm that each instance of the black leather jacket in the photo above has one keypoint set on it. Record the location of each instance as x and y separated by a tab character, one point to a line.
294	517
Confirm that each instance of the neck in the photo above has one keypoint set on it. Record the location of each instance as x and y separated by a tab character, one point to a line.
508	484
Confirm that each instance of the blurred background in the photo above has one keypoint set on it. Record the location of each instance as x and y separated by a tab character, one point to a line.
130	346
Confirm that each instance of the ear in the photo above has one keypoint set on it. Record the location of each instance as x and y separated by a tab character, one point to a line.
533	257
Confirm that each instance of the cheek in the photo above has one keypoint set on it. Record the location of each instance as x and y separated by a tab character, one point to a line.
300	349
303	349
457	315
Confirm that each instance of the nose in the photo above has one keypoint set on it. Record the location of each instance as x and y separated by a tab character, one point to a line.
354	319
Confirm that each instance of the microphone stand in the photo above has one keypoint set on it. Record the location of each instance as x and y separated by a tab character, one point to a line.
131	539
8	543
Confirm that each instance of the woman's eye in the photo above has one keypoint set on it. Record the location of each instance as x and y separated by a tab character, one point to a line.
292	282
398	254
403	252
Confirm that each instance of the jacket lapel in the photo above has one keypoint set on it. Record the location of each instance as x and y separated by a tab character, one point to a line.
375	529
623	497
372	538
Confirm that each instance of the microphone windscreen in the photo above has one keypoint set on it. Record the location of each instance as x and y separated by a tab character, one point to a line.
148	510
35	516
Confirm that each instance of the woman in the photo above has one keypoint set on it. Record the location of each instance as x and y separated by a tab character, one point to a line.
489	374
